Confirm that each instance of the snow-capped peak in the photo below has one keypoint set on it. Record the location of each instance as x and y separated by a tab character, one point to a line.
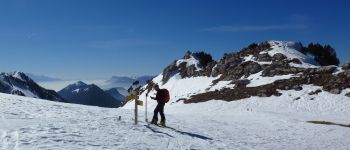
19	75
79	84
190	60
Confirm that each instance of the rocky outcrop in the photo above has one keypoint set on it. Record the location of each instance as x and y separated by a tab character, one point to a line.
191	65
346	66
18	83
329	83
257	58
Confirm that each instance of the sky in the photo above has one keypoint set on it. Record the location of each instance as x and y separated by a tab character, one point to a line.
90	39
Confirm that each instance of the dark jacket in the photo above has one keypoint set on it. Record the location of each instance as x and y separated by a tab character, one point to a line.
160	97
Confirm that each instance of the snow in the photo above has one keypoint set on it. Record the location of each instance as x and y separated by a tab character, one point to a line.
291	50
222	84
258	80
25	91
248	58
76	91
181	88
189	62
253	123
17	75
251	58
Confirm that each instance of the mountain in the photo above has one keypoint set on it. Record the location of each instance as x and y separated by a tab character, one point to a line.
122	91
259	70
114	92
125	82
81	93
42	78
18	83
267	96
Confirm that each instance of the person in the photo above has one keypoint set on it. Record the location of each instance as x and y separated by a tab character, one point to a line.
160	98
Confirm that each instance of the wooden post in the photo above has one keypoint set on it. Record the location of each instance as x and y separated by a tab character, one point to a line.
146	119
136	99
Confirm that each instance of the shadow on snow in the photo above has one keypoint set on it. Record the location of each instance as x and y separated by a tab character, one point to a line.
180	132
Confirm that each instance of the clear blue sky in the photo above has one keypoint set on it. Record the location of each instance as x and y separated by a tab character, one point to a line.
100	38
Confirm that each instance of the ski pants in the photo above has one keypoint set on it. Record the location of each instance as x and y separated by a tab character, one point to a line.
159	109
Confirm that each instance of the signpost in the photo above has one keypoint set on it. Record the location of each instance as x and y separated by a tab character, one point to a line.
134	95
146	119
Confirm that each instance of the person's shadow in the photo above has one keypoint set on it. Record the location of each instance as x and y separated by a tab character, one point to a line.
329	123
180	132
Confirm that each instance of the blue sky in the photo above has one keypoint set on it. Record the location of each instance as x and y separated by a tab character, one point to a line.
86	39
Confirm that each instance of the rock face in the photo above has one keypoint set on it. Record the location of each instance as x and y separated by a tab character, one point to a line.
191	65
267	59
18	83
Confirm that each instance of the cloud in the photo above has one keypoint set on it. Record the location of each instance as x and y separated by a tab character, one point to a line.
253	28
97	27
121	43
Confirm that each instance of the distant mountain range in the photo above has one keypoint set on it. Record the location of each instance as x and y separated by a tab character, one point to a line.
18	83
114	92
42	78
82	93
125	82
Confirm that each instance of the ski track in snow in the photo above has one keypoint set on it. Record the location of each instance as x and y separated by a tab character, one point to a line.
30	124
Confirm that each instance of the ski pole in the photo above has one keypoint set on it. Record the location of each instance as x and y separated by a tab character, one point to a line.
146	109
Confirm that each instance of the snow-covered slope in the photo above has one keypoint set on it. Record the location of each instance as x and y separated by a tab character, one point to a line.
254	123
18	83
291	50
81	93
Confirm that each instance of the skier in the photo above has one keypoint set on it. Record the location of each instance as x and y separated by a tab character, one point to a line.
162	97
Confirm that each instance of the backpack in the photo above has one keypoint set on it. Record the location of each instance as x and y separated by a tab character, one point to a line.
166	95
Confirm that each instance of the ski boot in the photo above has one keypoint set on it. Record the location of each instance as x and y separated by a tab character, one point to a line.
154	122
162	123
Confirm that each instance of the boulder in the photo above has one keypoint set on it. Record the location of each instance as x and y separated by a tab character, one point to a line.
251	68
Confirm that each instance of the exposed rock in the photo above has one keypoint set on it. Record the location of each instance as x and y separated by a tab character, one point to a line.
347	94
296	98
233	67
297	88
326	69
205	66
169	71
329	82
279	57
335	91
188	55
296	61
251	68
346	66
241	83
315	92
264	57
17	92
